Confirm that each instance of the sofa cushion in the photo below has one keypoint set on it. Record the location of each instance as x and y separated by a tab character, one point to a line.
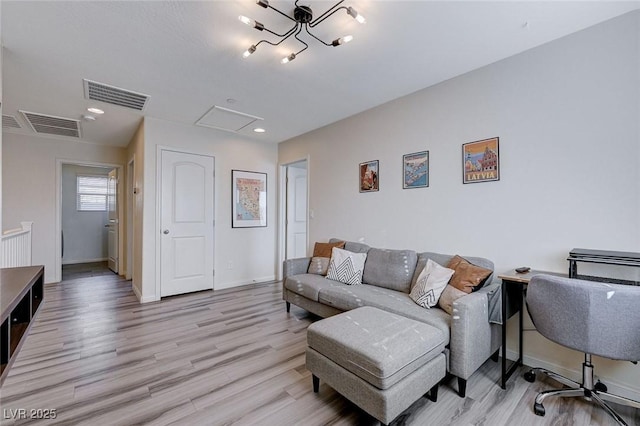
324	249
307	285
352	246
346	267
392	269
467	277
346	298
319	266
431	282
448	296
443	259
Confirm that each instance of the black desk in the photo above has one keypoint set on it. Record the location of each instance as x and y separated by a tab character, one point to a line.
513	292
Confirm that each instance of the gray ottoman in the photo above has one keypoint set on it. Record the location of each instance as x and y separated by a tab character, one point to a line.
380	361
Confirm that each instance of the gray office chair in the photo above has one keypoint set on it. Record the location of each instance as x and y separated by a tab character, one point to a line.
592	317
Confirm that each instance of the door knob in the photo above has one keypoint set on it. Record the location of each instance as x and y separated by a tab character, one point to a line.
165	232
107	225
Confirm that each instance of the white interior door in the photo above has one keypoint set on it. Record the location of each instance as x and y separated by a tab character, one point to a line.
186	233
112	207
296	212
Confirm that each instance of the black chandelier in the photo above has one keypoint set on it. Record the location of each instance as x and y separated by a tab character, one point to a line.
303	20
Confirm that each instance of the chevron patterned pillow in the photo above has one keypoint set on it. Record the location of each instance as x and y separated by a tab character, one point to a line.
346	267
431	283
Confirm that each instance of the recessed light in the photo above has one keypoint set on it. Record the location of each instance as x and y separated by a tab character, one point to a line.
95	110
259	130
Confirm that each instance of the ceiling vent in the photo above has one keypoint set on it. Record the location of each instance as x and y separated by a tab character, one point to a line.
114	95
10	122
51	125
226	119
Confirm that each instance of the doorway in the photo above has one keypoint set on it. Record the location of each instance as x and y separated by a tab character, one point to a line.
89	218
88	211
294	210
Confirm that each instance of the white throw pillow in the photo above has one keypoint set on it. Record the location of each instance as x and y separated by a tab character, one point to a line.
346	267
430	284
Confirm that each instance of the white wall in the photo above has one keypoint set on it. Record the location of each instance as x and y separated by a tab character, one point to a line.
249	251
567	117
85	236
29	185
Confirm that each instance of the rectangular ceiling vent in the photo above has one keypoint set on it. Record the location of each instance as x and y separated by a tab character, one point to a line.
10	122
226	119
114	95
52	125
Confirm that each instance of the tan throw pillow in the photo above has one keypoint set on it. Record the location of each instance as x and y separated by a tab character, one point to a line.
318	265
431	282
324	249
468	277
448	296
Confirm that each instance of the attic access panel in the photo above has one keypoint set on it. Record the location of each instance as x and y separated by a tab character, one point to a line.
226	119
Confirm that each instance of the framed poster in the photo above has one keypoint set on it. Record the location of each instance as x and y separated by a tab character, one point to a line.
481	161
415	170
368	174
249	199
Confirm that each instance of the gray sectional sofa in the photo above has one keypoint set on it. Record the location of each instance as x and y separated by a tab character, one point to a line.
387	280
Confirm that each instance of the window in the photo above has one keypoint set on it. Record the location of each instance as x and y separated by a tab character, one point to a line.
92	193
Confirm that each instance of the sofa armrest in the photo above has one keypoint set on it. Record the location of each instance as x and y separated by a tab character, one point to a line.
471	342
294	267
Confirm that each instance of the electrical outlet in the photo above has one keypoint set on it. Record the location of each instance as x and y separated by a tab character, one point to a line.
230	264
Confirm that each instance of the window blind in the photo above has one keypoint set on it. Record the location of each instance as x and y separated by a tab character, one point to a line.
92	193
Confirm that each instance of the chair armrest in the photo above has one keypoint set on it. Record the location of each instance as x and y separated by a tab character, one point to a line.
471	340
294	267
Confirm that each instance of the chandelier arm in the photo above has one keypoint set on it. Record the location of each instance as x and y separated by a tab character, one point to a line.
320	40
327	13
281	35
306	46
282	13
286	36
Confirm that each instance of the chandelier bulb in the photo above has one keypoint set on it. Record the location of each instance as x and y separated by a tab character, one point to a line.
251	22
342	40
354	13
249	51
263	3
288	59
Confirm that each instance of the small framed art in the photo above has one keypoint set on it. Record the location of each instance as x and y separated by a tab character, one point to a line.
249	199
415	170
481	161
369	177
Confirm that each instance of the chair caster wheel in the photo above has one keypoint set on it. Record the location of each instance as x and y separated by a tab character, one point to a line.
538	409
600	387
530	376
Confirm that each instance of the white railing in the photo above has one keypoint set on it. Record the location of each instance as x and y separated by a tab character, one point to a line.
15	247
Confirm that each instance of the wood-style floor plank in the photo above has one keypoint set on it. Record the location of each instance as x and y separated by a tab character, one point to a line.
219	358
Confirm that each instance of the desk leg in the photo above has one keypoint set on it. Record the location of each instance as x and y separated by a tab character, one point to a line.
507	372
503	377
522	301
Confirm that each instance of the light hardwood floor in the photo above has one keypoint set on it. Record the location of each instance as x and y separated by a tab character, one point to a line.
98	357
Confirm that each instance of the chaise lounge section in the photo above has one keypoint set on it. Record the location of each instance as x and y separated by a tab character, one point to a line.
388	278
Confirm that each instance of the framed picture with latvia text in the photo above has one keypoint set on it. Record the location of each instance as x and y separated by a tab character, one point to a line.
368	176
249	199
481	161
415	170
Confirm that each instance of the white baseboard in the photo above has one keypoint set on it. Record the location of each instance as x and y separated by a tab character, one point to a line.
139	295
74	262
220	286
613	386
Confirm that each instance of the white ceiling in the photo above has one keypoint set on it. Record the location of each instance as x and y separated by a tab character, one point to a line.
187	56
